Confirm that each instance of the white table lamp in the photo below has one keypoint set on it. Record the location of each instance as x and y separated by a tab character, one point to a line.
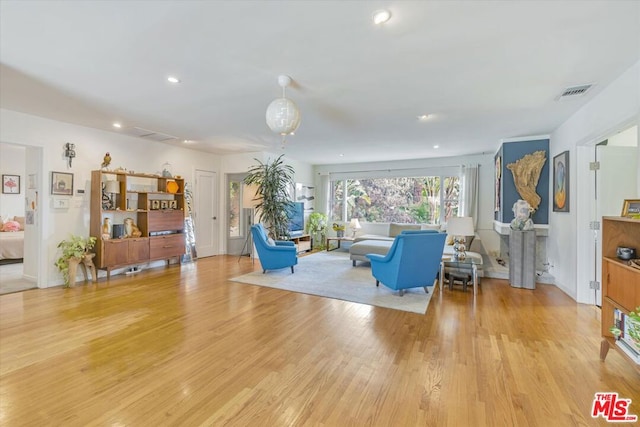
355	226
459	227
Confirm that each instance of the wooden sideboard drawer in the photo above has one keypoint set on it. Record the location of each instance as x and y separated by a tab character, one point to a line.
167	246
166	220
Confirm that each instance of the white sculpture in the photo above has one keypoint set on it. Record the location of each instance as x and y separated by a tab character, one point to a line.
521	212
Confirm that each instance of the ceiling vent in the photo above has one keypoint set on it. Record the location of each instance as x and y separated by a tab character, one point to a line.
151	135
574	91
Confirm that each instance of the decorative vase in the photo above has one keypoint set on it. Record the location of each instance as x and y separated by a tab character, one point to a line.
340	233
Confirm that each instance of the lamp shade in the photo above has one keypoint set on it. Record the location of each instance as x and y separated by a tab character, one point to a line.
460	226
112	187
355	224
283	116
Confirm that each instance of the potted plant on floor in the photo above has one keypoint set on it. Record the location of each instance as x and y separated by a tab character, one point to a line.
274	181
77	248
317	228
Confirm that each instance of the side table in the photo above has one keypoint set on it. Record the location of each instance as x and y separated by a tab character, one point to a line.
467	264
339	240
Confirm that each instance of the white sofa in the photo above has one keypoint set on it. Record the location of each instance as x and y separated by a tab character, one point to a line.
369	243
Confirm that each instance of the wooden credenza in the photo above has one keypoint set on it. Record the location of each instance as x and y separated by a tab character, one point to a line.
156	204
620	282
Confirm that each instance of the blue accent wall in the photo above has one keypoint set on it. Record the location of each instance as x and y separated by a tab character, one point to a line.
510	153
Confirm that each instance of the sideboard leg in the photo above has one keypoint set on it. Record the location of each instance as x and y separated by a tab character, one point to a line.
604	349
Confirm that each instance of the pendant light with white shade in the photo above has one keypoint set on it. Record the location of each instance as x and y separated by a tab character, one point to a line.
283	115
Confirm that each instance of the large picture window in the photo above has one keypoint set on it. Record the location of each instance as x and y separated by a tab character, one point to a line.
427	199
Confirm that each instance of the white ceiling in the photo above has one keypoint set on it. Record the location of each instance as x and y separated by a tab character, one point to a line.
486	70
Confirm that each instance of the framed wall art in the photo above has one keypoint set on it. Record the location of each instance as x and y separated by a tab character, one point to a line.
61	183
631	208
561	182
11	184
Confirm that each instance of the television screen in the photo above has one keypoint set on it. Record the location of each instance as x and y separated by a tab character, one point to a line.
296	218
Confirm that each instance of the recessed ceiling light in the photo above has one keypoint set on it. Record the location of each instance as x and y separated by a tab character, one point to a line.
436	146
189	141
424	117
172	79
117	125
381	16
341	155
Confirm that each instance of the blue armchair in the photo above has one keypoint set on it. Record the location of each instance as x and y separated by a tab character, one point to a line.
412	261
273	254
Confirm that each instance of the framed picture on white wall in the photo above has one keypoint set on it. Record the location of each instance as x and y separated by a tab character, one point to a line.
11	184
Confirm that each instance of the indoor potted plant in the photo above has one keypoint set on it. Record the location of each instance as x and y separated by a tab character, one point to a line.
273	181
317	227
75	247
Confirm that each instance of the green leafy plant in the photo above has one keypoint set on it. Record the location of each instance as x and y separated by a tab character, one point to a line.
274	181
317	227
74	247
633	319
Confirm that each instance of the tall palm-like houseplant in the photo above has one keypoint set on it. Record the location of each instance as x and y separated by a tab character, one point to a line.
274	181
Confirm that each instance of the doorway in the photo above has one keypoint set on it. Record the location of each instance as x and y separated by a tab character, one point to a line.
612	179
21	268
206	217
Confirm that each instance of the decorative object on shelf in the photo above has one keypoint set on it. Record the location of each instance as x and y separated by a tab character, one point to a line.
155	204
69	151
172	187
561	182
118	231
459	227
164	204
106	229
166	170
173	204
339	229
521	213
106	161
74	249
354	224
526	173
61	183
112	188
625	253
631	208
631	327
130	228
273	180
11	184
283	115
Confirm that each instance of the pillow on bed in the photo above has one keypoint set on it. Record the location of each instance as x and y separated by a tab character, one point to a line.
11	226
19	220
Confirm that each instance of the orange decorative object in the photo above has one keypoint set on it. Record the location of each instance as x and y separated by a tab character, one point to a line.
172	187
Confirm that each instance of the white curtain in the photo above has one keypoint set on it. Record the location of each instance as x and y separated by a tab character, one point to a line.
469	197
322	195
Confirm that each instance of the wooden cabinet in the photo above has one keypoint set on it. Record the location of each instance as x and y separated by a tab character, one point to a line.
620	282
155	204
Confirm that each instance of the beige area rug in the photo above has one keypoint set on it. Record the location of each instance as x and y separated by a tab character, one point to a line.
330	275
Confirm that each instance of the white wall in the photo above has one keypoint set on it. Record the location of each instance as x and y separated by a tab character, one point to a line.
612	110
490	239
91	145
12	161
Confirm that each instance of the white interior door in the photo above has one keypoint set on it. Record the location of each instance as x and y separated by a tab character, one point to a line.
206	213
615	181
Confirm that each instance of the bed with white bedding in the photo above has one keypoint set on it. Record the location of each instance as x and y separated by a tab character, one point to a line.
11	245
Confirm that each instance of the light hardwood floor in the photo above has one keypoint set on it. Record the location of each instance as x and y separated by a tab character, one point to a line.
183	346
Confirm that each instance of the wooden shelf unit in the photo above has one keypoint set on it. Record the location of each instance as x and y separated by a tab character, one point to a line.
162	229
303	242
620	282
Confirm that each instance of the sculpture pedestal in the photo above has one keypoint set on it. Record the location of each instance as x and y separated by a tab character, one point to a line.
522	259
